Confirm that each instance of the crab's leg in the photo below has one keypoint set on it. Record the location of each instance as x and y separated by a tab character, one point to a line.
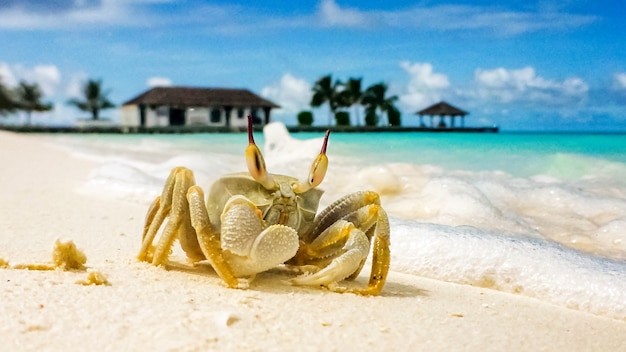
341	237
208	239
381	256
152	212
362	210
145	253
159	210
178	215
340	208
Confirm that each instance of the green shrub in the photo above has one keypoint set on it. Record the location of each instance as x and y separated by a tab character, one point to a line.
393	116
371	118
342	118
305	118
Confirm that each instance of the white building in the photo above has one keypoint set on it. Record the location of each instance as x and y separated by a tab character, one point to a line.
186	106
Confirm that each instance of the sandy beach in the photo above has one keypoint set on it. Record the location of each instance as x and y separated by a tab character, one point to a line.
182	309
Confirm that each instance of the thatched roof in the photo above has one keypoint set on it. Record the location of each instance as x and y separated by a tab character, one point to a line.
200	97
442	109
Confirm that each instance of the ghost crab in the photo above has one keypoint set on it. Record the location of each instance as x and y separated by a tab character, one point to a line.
254	221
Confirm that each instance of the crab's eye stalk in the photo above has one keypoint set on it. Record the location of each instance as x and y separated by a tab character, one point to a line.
255	161
318	170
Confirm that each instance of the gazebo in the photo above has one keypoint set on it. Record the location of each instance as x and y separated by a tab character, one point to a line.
442	109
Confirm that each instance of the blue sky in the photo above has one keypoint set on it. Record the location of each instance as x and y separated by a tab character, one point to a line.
522	65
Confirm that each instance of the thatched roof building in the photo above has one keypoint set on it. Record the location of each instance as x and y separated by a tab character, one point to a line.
200	97
442	109
183	106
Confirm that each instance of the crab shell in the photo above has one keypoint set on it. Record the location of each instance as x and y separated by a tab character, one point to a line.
281	205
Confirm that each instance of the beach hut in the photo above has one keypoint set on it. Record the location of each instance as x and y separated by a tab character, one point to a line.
442	109
191	106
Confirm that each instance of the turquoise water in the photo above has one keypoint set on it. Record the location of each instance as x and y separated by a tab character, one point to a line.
519	154
542	215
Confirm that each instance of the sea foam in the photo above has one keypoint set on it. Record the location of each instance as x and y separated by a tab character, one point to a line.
528	266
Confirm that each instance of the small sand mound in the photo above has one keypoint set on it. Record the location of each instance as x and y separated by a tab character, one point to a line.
65	256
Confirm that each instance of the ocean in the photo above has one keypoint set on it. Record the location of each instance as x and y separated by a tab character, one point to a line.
540	215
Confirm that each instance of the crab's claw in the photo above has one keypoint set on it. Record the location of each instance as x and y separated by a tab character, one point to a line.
318	169
255	161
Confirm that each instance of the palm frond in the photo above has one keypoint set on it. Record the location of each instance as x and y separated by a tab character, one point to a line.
95	98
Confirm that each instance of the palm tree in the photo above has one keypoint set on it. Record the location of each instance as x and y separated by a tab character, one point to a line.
351	95
324	91
95	99
374	99
29	99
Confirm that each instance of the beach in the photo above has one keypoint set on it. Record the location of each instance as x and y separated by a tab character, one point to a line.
180	308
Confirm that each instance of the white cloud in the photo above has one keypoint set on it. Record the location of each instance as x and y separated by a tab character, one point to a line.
48	77
499	21
330	14
620	80
48	6
159	82
6	75
39	15
238	19
505	86
425	87
74	87
451	17
291	93
423	77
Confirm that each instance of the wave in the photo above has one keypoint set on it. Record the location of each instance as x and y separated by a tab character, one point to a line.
523	265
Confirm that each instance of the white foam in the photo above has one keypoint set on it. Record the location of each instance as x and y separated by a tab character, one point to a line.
523	265
280	147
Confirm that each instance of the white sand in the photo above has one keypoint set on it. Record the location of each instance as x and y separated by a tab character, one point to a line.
149	308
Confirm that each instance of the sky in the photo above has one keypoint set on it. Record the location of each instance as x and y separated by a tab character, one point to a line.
541	65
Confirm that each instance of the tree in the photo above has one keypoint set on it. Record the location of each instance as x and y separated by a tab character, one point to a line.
7	105
351	95
342	118
305	118
375	100
95	99
324	91
29	99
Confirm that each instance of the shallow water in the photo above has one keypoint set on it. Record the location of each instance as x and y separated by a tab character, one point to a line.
541	215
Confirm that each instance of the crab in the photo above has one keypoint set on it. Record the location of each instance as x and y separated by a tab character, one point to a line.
255	221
